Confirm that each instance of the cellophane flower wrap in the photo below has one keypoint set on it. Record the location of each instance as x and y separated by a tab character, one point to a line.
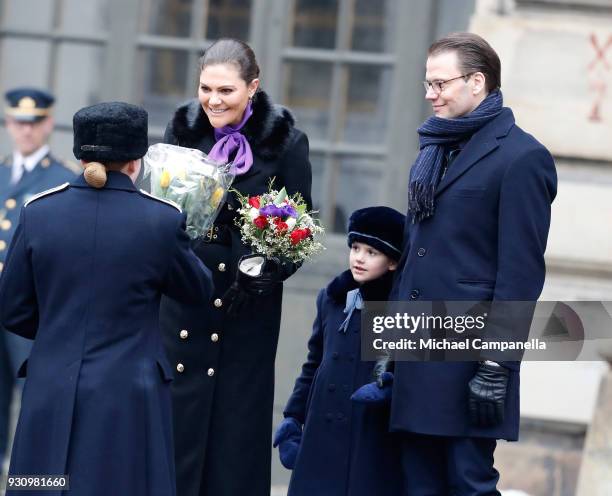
190	179
275	224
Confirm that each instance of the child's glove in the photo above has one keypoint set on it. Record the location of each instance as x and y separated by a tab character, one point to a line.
288	437
378	392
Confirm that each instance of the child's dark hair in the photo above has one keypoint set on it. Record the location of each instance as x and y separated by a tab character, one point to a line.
235	52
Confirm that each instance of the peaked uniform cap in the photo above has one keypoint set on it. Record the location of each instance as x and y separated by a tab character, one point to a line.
27	104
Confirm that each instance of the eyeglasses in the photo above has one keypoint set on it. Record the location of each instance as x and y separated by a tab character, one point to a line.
438	86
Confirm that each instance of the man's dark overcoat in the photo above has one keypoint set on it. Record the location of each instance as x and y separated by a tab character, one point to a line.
84	278
224	395
486	241
346	449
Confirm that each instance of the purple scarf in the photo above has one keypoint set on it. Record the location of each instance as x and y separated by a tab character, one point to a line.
230	141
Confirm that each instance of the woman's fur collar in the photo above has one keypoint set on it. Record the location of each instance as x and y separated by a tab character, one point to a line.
268	130
376	290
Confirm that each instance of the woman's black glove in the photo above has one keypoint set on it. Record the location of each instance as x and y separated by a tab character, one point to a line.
487	395
256	276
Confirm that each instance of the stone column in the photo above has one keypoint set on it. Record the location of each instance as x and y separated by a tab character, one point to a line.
596	472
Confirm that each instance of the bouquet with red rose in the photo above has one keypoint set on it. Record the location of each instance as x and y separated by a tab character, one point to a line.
278	225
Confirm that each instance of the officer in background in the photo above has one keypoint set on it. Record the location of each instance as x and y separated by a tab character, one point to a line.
29	170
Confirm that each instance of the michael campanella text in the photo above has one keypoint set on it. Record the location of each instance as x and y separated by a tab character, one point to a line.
445	344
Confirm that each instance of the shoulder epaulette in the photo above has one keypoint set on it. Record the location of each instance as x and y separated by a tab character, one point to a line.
163	200
61	187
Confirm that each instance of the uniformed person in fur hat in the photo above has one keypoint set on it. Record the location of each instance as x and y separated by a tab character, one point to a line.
28	170
84	276
333	445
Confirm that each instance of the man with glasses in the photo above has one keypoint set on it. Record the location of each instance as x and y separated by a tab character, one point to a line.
480	194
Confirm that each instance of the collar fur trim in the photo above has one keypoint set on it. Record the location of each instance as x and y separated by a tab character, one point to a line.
377	290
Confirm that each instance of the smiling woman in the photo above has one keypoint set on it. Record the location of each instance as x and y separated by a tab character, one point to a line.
224	387
224	93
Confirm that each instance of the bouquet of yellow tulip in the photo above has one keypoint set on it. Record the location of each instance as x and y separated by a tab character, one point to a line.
190	179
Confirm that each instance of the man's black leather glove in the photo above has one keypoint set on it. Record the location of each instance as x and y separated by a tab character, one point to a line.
487	395
256	276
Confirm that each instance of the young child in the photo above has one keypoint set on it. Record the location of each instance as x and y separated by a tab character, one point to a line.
335	446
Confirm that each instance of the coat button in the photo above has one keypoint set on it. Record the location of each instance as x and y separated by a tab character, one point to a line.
329	417
421	252
218	302
221	267
229	207
340	416
10	203
214	337
414	294
210	372
335	355
331	387
2	245
5	225
184	334
180	368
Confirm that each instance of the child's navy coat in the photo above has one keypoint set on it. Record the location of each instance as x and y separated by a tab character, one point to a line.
346	448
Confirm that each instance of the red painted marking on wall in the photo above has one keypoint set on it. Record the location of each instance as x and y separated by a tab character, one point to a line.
599	83
600	52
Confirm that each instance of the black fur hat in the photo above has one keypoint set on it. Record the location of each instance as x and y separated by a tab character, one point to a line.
110	132
380	227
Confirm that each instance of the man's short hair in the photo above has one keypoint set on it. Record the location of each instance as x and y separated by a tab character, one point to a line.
474	54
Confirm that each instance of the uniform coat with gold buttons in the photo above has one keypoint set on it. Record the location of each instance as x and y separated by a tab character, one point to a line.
223	398
346	449
84	278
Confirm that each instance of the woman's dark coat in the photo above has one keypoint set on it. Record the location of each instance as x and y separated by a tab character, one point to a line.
223	398
346	449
